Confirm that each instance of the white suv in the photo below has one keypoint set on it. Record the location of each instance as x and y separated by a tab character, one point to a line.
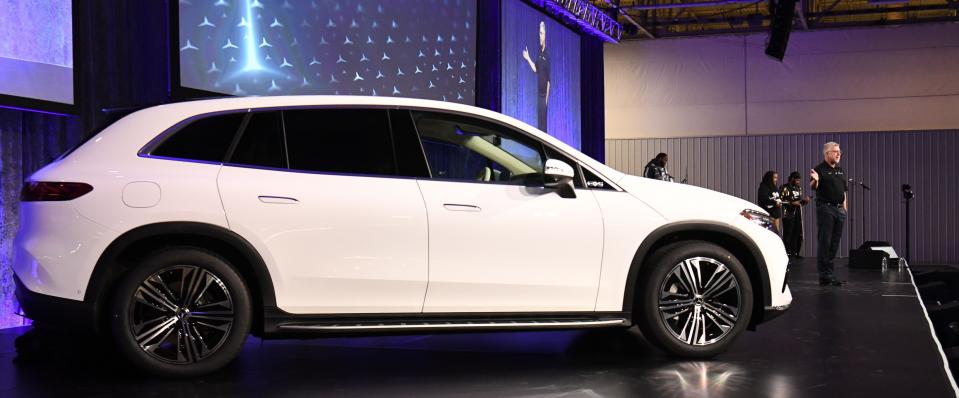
183	227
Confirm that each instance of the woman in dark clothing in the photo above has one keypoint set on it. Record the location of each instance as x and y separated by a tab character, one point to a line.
656	168
768	197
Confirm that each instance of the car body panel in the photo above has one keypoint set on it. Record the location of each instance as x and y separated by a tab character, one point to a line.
335	243
509	248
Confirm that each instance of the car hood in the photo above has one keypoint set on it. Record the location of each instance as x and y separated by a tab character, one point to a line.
677	202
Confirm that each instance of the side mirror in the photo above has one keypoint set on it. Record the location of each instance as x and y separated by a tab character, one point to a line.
559	175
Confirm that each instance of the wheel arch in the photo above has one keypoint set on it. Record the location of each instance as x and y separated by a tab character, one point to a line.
738	243
123	252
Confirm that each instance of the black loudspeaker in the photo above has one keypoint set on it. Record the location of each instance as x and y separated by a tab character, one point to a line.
873	243
867	258
782	13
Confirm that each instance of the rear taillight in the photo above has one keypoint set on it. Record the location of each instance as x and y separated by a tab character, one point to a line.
53	191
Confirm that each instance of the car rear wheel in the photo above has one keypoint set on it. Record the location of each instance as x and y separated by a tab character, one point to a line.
696	299
181	312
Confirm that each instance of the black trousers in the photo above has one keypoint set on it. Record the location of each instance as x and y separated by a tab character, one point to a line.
541	113
792	233
830	220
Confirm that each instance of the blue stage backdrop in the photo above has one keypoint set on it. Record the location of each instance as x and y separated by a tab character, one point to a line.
409	48
36	49
555	109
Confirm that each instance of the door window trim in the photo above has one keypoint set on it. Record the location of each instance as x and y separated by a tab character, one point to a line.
579	164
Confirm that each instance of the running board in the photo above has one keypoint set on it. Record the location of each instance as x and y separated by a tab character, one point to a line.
448	325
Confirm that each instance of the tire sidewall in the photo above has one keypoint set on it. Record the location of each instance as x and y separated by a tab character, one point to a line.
662	262
123	297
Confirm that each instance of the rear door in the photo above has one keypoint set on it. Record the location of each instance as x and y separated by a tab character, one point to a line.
320	195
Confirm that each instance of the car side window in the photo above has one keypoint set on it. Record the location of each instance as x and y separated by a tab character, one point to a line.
205	139
261	143
467	149
353	141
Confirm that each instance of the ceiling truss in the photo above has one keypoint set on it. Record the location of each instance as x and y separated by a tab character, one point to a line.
649	19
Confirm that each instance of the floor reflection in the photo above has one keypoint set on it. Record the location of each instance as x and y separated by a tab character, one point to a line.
700	379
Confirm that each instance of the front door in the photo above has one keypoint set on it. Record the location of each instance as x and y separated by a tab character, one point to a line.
499	241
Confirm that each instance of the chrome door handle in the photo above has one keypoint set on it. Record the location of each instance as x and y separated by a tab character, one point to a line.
461	207
283	200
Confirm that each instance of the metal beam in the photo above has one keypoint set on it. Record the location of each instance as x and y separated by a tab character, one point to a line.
818	15
801	13
715	3
630	19
821	26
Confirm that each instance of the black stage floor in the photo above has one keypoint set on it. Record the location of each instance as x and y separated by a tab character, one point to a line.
869	338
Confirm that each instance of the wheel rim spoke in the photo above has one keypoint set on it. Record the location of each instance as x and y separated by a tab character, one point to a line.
150	336
699	301
675	307
148	291
185	327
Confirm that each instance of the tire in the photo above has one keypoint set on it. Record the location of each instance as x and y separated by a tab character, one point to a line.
155	331
724	304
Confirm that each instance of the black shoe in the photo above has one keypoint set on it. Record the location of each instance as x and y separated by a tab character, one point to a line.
831	282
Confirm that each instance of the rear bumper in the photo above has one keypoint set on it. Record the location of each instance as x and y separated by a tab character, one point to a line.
56	312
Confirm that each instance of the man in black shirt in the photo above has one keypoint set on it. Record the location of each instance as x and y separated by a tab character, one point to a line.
793	201
541	68
829	182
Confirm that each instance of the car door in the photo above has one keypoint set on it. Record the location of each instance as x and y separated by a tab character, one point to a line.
316	191
500	241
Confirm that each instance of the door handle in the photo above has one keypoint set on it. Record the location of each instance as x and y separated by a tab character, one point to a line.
461	207
283	200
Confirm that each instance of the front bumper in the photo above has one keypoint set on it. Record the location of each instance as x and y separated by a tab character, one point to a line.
56	312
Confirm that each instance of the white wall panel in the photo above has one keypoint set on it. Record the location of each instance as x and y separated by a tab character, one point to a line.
868	79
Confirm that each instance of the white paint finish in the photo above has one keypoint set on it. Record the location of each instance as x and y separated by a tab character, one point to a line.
627	222
193	199
351	244
679	203
682	202
527	250
774	254
348	245
559	168
141	194
56	249
869	79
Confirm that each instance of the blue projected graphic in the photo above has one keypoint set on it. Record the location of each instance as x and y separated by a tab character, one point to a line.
541	72
36	49
405	48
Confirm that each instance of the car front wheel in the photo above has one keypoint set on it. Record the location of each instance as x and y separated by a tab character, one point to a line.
181	312
696	299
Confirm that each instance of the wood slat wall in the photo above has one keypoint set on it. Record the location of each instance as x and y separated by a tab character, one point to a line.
883	160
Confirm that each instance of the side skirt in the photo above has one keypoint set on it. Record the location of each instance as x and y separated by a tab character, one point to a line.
280	324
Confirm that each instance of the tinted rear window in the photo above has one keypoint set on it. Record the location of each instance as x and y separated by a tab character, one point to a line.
204	139
353	141
262	142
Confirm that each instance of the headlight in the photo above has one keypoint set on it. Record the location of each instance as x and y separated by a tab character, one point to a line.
760	218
